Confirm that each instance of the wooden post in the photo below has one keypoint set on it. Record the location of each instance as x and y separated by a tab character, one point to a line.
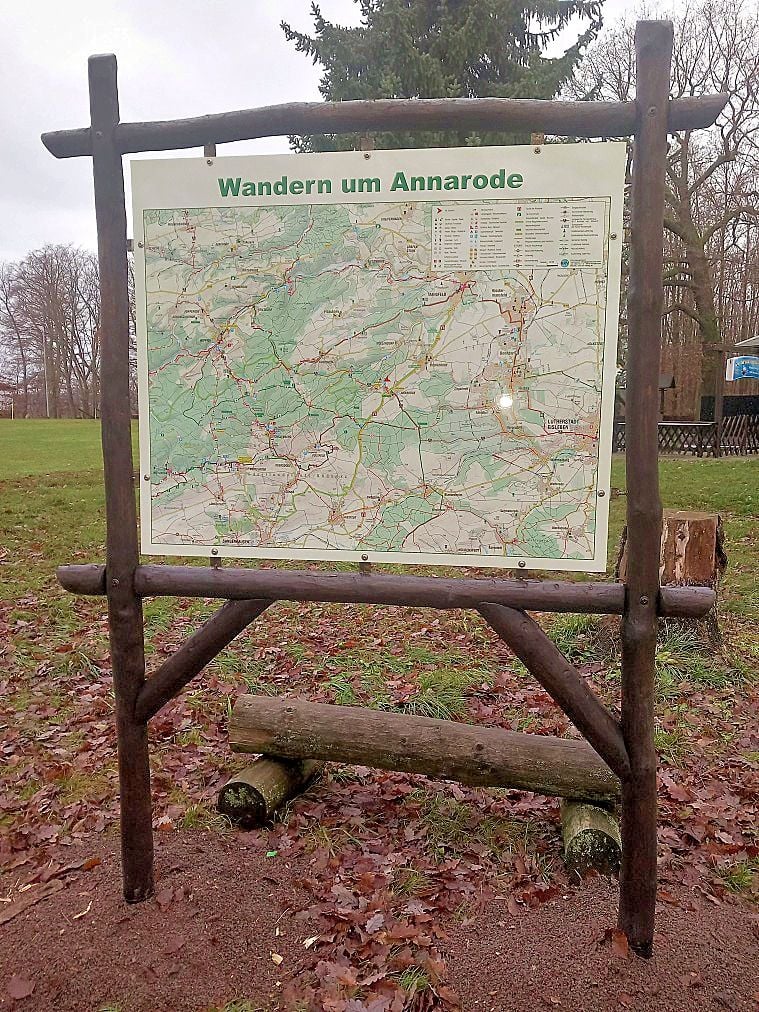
719	400
653	51
122	553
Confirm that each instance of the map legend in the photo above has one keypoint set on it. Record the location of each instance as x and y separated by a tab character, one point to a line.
567	232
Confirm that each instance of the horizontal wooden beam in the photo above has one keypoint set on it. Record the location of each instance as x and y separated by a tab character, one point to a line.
562	682
197	651
442	749
411	591
363	588
87	579
574	119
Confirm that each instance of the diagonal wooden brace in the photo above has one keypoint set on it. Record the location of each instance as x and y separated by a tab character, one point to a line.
190	659
562	682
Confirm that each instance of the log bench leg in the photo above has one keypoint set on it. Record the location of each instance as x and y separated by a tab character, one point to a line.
591	839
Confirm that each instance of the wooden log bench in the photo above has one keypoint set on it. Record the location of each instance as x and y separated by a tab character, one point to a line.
440	749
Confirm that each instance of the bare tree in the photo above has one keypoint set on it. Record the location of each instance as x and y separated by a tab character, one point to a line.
712	200
16	355
50	330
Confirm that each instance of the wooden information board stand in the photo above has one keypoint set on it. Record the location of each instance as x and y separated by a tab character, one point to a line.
626	747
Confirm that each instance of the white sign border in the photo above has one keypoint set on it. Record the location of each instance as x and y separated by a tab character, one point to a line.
602	161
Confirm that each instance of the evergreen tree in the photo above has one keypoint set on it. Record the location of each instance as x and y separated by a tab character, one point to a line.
442	49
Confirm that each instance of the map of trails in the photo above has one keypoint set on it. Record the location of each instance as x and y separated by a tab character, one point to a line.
410	381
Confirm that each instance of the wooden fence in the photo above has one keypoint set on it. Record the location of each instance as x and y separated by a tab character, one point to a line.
740	437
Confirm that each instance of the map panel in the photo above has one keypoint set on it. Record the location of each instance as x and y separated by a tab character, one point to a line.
410	379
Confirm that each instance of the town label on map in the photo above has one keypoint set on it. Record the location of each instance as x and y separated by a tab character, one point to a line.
380	367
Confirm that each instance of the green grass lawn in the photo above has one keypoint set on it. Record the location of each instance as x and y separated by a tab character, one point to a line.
52	504
36	446
730	487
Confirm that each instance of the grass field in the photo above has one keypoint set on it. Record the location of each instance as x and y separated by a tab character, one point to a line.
52	504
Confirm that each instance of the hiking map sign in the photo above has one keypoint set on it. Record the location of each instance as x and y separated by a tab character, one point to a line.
395	356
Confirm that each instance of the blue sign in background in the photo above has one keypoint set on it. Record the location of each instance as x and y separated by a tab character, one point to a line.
743	367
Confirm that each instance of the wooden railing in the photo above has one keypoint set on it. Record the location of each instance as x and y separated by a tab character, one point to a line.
740	437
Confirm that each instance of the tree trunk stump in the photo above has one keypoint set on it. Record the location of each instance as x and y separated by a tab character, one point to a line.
692	554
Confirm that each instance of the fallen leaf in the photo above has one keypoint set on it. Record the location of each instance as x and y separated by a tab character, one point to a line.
164	897
19	987
311	941
375	922
174	944
619	944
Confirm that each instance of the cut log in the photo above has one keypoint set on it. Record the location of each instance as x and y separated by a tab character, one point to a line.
592	840
441	749
252	796
692	555
692	552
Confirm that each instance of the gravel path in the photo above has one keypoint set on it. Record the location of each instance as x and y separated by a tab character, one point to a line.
225	913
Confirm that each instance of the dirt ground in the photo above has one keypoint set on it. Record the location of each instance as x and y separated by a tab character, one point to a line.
231	921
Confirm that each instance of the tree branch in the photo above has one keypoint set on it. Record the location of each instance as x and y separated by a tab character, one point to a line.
674	226
728	216
679	307
723	159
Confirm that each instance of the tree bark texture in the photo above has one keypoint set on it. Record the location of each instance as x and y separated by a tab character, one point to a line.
441	749
251	797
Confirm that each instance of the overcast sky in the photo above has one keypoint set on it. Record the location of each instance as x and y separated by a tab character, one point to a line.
176	58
